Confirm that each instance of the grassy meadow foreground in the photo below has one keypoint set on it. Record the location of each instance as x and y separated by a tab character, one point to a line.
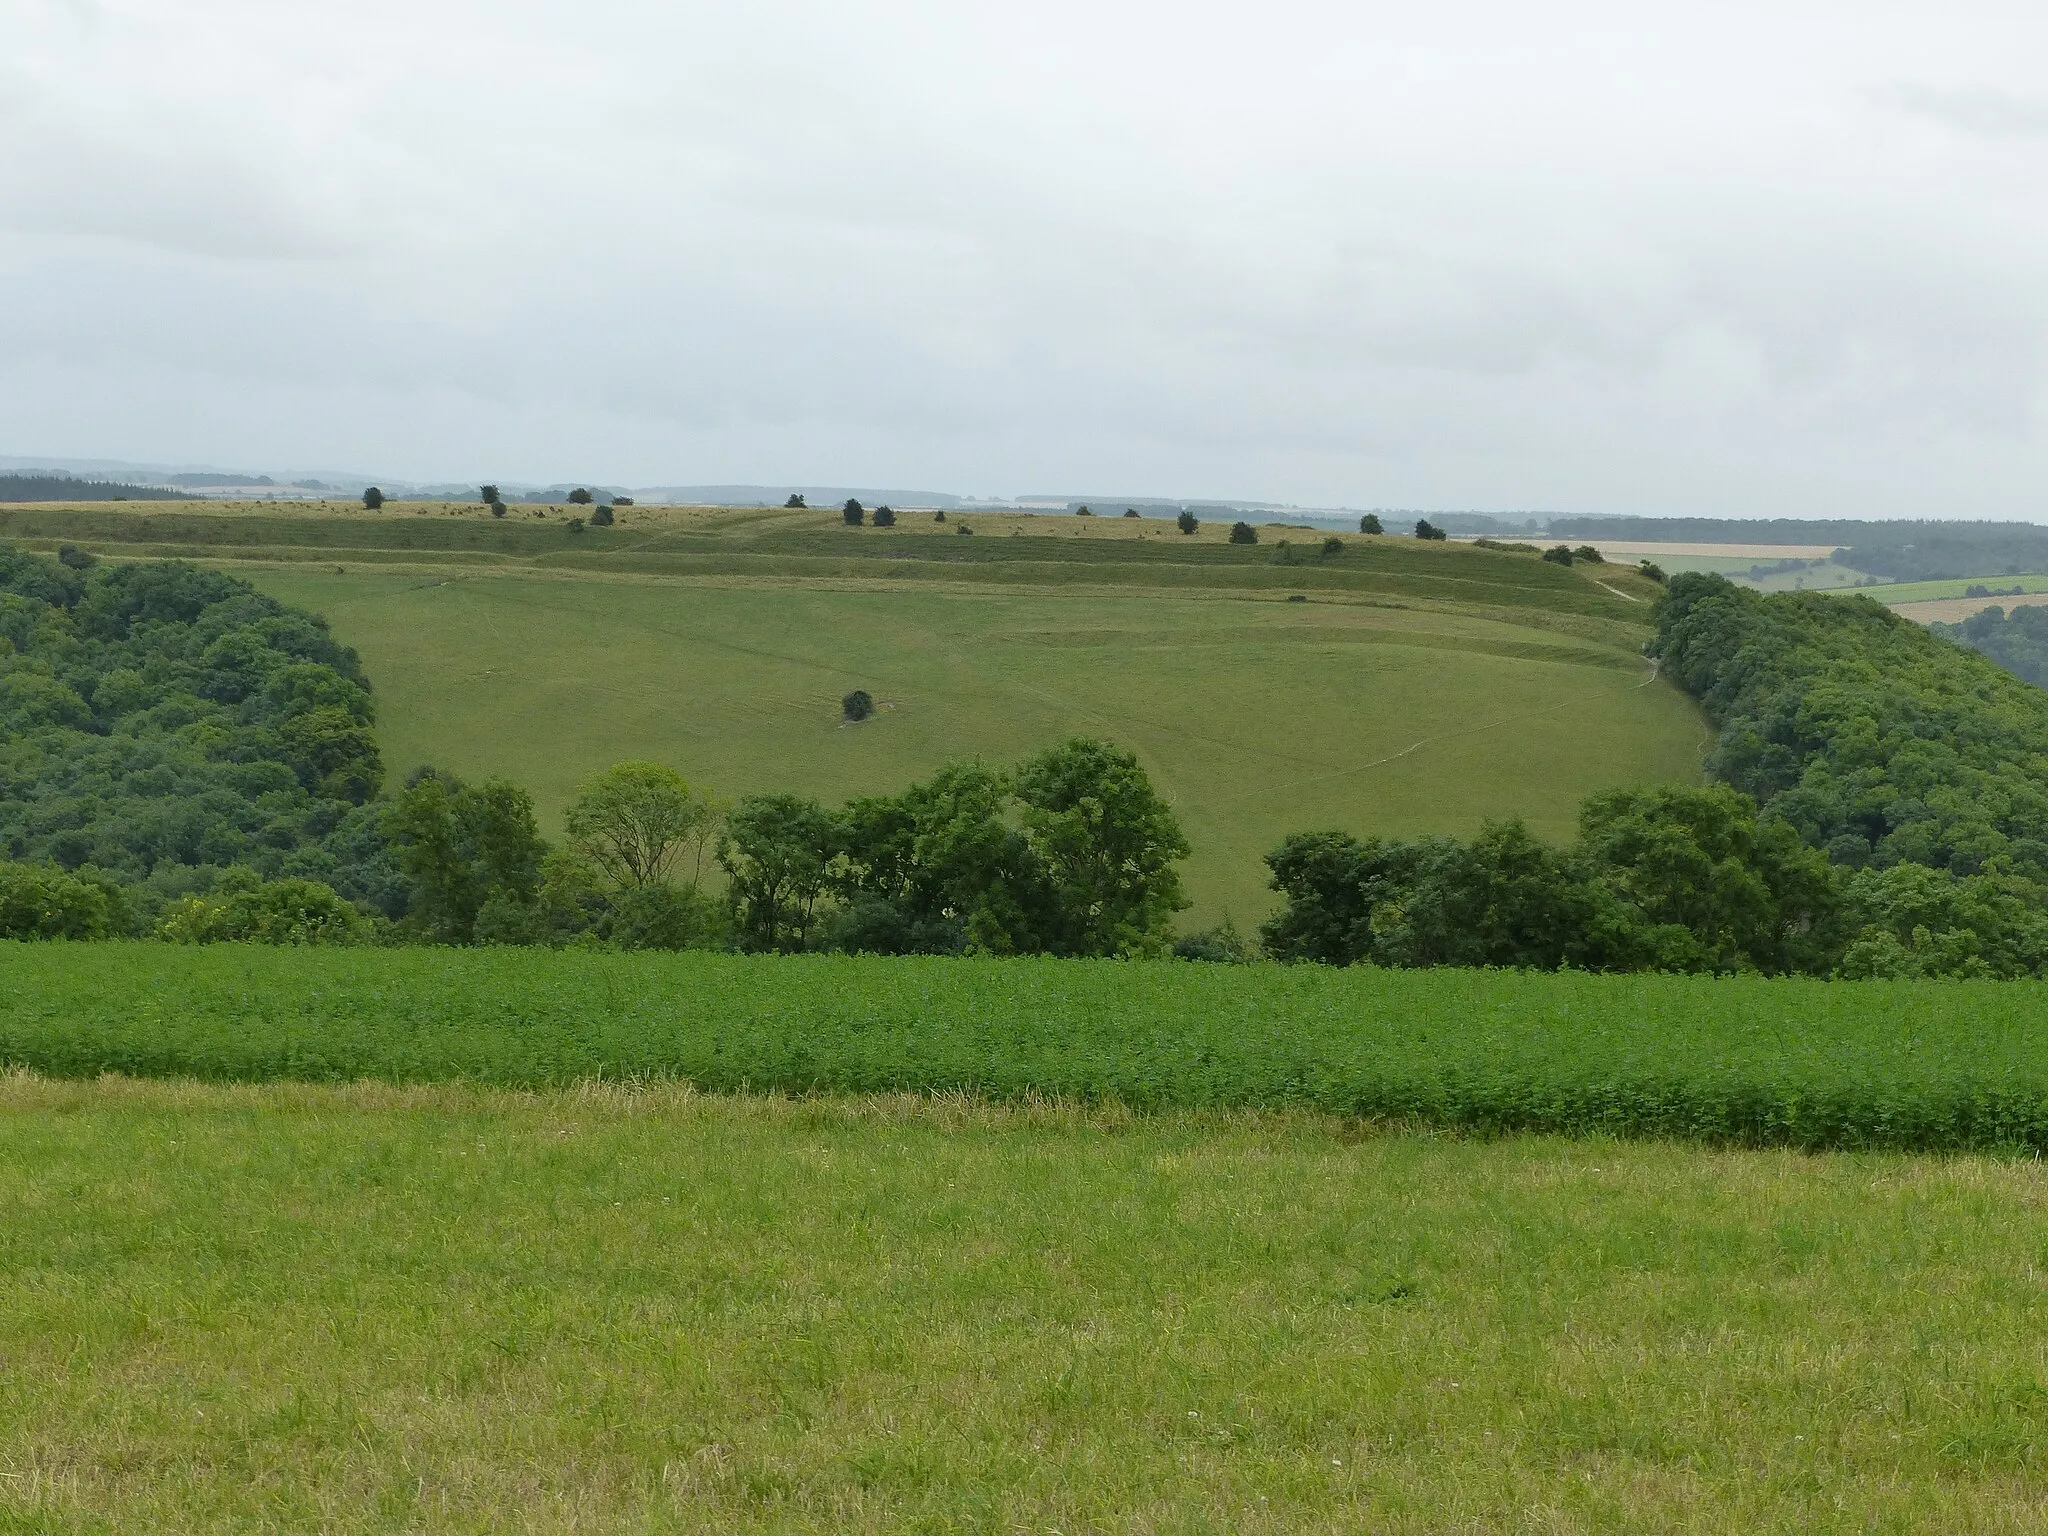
432	1310
1418	688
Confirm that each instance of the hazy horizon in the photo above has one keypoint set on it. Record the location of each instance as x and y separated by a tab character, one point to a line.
1719	260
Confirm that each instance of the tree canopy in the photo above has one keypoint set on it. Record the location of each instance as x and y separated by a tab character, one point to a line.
640	823
1072	854
160	722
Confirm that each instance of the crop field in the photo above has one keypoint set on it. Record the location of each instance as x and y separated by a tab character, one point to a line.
1814	1064
451	1310
1418	688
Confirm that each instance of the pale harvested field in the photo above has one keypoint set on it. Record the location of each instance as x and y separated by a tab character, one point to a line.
1736	551
1953	610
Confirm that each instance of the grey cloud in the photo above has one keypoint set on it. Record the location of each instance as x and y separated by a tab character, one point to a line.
1588	258
1973	109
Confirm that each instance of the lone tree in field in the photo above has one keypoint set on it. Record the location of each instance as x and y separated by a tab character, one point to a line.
794	501
853	512
497	509
1370	523
1243	533
1130	511
580	497
488	495
639	822
601	518
1425	529
857	705
373	498
885	517
939	516
1187	521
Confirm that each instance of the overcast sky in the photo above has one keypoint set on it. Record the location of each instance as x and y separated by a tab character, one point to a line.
1692	258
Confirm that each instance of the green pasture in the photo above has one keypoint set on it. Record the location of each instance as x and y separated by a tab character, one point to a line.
1909	1065
1412	688
364	1309
1931	591
1255	718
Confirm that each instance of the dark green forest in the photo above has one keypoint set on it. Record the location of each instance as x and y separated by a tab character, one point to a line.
160	723
2017	641
65	488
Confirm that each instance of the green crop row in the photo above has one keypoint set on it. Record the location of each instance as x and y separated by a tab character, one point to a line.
1915	1065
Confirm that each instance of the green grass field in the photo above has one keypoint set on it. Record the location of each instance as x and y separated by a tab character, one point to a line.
1419	688
444	1311
1254	718
1905	1065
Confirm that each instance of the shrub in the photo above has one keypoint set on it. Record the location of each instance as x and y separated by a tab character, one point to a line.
1558	555
1243	533
72	558
1332	546
1082	512
1222	944
660	917
575	525
1370	523
857	705
580	497
622	501
497	509
1187	522
885	517
1130	511
1654	572
853	513
245	908
939	516
488	495
41	901
1589	555
602	517
1425	529
795	501
373	498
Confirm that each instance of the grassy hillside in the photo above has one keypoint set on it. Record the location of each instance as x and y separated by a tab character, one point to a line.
442	1311
1418	688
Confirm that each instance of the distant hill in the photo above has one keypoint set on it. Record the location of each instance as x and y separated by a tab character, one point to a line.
776	495
60	487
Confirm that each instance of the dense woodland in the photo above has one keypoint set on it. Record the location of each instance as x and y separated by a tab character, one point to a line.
2017	641
65	488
